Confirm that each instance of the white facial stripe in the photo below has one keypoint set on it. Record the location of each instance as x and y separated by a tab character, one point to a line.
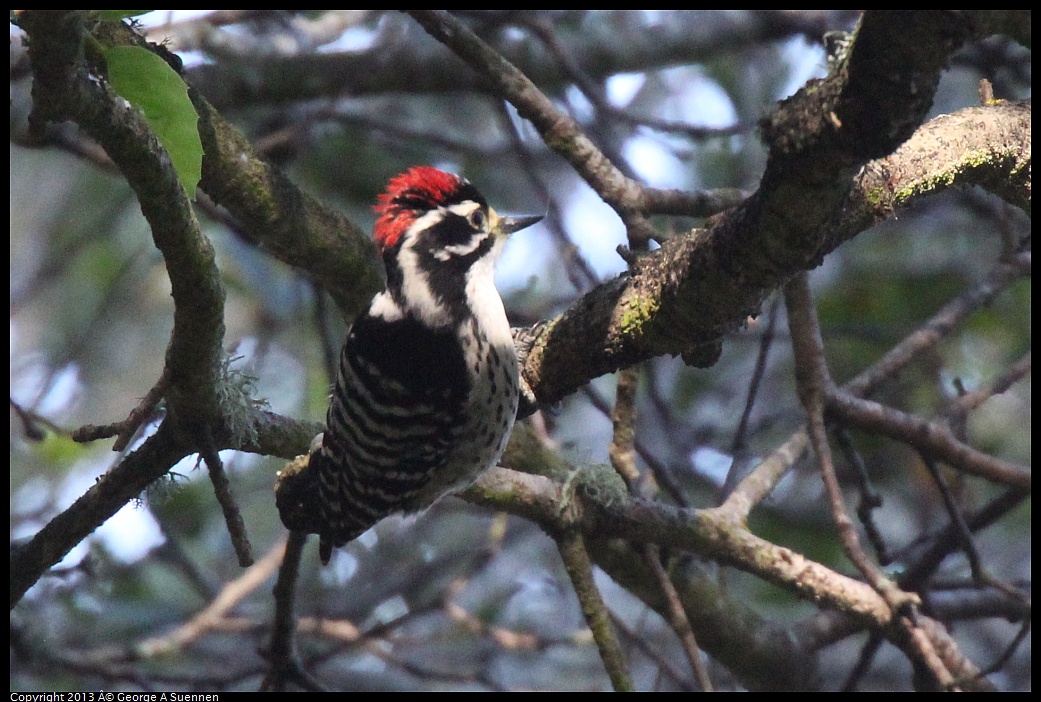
460	249
426	221
464	209
416	289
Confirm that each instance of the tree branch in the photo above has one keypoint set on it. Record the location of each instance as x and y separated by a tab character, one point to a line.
404	62
272	212
697	288
713	533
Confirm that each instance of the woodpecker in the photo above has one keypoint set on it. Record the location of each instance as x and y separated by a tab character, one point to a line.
427	387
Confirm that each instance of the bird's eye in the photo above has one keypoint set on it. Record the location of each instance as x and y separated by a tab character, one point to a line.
478	219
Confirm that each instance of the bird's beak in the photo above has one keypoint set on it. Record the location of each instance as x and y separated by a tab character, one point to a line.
504	226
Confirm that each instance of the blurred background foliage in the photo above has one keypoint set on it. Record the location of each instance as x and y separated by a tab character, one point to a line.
460	598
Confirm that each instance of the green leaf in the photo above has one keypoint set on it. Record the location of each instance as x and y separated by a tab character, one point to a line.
118	15
150	85
59	452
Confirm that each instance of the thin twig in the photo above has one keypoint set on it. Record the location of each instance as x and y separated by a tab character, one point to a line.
814	385
559	131
971	400
870	499
232	515
580	569
738	448
216	611
761	481
957	519
677	618
281	653
622	450
928	436
623	457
